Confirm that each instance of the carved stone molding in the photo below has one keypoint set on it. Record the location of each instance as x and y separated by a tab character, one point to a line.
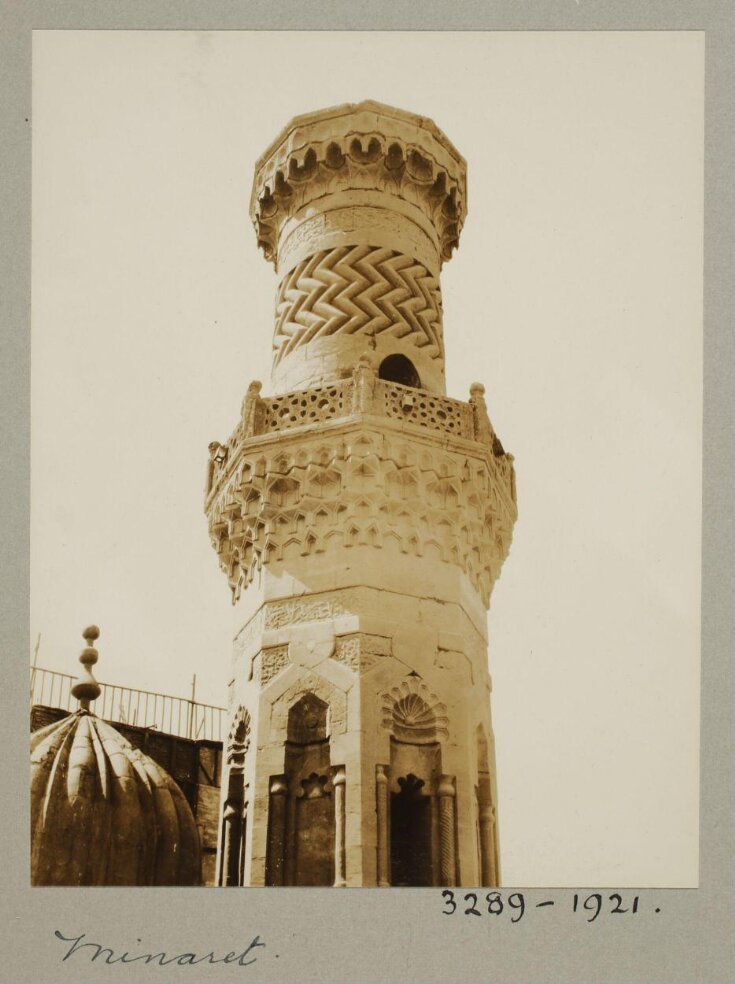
361	651
311	608
238	738
272	661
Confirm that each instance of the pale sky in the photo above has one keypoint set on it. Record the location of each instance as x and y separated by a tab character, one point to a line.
575	296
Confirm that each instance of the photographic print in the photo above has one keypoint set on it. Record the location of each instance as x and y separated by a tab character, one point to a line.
366	397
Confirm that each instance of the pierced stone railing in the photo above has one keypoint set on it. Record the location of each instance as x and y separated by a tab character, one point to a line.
404	403
306	407
437	413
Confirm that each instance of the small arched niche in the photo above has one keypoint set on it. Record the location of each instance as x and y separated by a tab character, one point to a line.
308	720
234	814
397	368
418	723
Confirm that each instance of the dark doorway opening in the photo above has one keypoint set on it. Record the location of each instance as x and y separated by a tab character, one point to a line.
397	368
410	834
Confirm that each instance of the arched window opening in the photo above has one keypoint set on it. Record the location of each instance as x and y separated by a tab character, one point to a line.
397	368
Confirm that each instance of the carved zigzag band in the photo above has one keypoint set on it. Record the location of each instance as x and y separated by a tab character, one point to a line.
358	289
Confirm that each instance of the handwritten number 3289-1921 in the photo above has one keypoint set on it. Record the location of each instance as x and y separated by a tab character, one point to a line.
471	904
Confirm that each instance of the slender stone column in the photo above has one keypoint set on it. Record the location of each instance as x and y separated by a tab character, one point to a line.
290	833
243	840
435	838
381	794
448	854
277	830
229	844
340	857
487	845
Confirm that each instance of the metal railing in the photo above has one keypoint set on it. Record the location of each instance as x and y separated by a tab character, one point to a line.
143	708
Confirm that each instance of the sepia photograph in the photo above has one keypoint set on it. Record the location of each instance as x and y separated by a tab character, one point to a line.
366	459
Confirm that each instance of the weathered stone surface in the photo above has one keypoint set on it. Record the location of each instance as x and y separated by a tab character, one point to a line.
103	813
195	765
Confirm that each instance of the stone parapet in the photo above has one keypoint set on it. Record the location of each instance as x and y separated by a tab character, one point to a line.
361	395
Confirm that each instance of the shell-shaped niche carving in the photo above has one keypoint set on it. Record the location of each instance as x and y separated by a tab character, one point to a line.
238	739
412	713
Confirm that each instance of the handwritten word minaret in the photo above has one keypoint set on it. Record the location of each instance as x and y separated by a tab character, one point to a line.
361	517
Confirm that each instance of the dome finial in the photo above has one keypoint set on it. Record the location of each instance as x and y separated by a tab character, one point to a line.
86	689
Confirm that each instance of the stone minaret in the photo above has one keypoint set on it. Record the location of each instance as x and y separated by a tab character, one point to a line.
361	517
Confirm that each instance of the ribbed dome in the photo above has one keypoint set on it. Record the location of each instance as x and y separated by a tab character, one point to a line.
103	813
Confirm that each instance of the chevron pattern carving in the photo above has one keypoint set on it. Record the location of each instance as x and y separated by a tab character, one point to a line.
358	289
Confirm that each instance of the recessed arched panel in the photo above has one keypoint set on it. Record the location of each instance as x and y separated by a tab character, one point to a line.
234	816
302	803
308	720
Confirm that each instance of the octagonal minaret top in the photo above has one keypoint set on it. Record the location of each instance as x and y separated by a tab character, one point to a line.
358	206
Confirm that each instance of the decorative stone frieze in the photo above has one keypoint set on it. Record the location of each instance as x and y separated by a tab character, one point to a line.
361	651
279	614
272	661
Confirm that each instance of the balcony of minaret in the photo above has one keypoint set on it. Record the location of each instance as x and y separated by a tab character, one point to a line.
361	461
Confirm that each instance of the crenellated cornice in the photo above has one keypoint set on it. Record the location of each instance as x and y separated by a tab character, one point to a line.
364	148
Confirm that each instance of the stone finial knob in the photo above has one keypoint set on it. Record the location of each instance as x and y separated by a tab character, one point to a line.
477	390
86	688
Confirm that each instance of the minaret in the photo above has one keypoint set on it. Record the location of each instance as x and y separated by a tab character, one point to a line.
361	517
